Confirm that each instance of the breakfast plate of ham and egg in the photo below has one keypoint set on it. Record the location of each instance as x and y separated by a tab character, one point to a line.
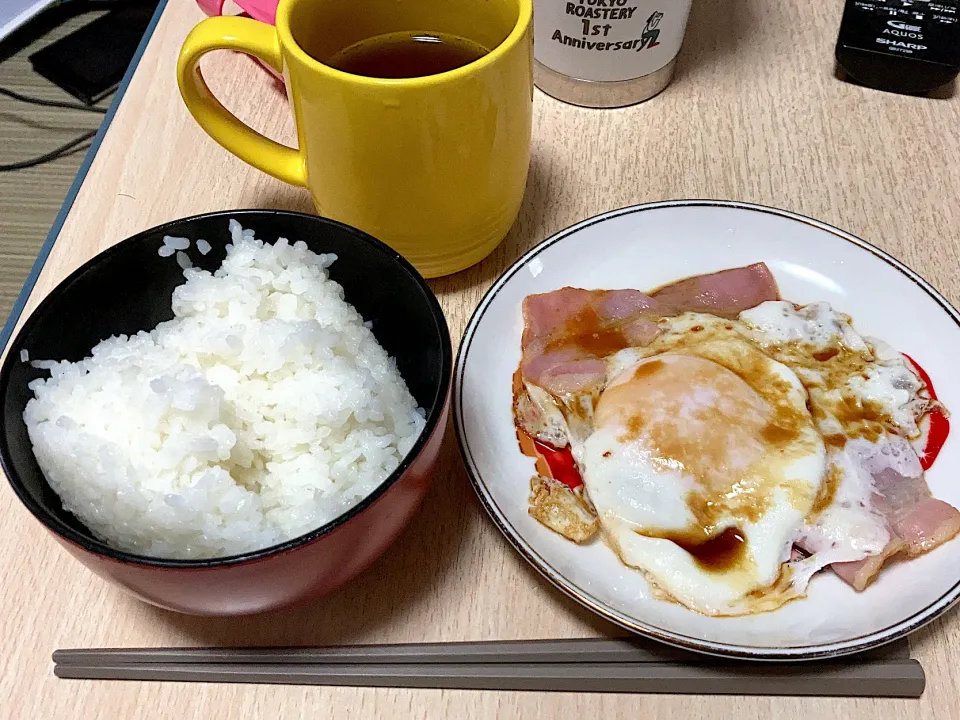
722	426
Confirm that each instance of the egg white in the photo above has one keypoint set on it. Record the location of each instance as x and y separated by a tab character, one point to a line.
639	493
849	528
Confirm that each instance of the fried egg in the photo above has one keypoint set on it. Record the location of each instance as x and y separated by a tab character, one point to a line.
714	451
702	464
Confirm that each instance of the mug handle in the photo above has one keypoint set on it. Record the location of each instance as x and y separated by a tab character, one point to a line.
253	38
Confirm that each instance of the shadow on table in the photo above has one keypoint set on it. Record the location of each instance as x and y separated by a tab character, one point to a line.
716	28
944	92
524	234
390	590
281	197
558	602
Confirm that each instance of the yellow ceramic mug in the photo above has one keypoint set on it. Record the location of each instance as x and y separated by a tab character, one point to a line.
435	166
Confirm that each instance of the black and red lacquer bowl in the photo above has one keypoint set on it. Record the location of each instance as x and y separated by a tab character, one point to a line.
126	289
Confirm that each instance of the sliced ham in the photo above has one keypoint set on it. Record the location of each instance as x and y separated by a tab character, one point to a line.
929	524
640	330
569	331
726	293
861	573
623	304
916	521
921	521
571	376
548	315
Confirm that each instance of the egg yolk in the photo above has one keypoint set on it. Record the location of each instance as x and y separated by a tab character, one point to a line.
698	417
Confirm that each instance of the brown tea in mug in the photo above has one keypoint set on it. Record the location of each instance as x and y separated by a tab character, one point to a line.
407	55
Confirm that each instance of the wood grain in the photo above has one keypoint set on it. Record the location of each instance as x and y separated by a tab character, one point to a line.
754	114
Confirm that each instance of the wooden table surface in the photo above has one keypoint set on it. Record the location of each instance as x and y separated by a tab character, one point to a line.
755	114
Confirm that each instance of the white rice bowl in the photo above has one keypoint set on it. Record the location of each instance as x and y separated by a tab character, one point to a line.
263	410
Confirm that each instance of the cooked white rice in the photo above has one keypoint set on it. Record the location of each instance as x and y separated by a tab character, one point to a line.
263	410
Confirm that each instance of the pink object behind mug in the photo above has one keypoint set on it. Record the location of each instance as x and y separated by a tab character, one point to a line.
263	10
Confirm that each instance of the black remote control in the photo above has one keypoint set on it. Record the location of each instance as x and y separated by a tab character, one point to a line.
903	46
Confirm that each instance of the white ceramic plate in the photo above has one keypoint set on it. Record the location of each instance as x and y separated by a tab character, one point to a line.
648	245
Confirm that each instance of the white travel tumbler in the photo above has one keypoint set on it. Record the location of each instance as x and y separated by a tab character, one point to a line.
607	53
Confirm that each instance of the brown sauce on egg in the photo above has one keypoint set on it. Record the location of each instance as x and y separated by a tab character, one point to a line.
824	374
721	491
858	418
775	433
634	429
828	490
836	440
716	554
746	498
648	368
851	410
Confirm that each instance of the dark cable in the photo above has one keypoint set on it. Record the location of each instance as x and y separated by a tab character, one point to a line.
63	150
50	103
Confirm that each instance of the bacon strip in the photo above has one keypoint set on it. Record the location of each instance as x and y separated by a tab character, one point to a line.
569	331
726	293
931	523
917	523
861	573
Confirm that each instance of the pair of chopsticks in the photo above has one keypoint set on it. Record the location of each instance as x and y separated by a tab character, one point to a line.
591	665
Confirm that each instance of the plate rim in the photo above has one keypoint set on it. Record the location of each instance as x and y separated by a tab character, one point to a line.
818	651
